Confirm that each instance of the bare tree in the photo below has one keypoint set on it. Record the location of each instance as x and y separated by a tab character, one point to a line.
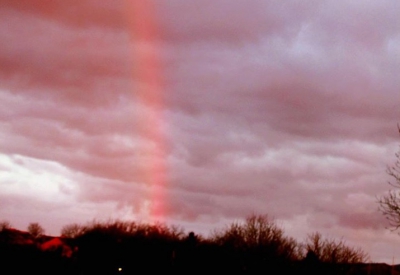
35	229
389	204
258	233
4	225
333	251
73	230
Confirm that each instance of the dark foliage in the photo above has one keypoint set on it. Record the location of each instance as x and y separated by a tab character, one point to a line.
256	246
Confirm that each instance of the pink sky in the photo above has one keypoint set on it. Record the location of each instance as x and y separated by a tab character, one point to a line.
200	113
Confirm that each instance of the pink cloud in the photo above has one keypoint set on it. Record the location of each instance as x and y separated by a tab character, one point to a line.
288	109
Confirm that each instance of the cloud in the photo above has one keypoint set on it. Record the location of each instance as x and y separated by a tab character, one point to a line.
288	109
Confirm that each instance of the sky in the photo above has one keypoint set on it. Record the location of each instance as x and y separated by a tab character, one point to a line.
201	113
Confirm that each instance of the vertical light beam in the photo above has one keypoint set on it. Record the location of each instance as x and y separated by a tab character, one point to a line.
147	73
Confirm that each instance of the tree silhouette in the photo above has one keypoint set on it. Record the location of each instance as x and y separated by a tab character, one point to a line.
72	230
4	225
36	230
333	251
389	204
257	244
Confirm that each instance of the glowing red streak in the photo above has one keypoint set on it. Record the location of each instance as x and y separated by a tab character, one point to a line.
147	72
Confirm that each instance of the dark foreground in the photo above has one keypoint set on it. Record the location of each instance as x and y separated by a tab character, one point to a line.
99	255
257	246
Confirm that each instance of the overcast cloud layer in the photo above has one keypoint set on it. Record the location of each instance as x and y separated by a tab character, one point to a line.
200	113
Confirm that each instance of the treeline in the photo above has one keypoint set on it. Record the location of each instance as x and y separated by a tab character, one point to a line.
254	246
